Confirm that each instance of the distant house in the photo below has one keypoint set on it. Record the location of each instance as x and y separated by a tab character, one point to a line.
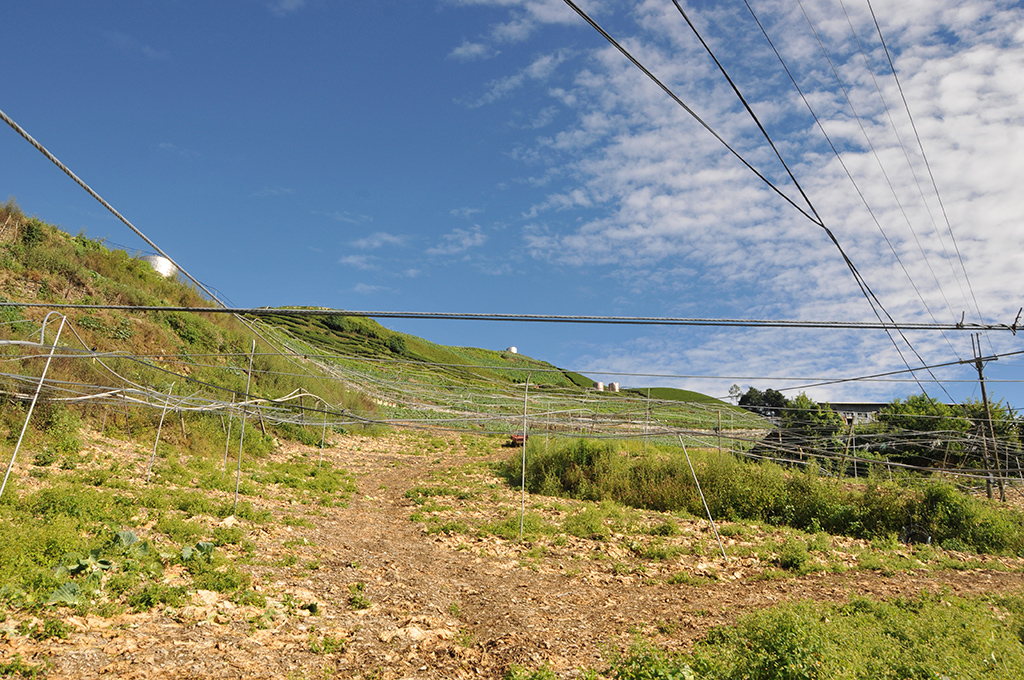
856	412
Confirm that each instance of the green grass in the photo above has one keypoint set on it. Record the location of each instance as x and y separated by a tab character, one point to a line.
735	489
929	636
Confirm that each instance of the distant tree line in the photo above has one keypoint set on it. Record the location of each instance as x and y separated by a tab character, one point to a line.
917	430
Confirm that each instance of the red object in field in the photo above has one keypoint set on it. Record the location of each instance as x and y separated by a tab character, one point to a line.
519	439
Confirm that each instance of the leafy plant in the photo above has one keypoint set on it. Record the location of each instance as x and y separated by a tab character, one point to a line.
357	598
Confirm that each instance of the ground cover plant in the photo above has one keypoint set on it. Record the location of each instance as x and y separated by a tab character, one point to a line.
735	489
100	537
931	636
163	549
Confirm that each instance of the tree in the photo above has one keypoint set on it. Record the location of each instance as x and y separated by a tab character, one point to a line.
396	343
922	430
768	403
812	424
1005	426
806	414
735	393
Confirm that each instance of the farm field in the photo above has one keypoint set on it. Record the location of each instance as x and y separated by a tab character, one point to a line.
416	570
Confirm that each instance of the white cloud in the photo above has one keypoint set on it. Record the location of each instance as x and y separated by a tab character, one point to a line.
273	192
284	8
635	184
377	240
179	151
130	45
528	15
466	212
458	241
539	70
470	51
365	262
349	218
370	289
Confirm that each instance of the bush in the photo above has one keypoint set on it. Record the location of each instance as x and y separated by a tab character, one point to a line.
396	343
153	594
924	637
734	489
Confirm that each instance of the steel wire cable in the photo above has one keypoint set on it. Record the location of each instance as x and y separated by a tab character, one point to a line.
67	171
684	106
913	172
860	122
839	158
891	325
892	188
924	156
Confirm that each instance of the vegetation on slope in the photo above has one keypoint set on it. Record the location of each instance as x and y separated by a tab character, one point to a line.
930	636
362	338
661	479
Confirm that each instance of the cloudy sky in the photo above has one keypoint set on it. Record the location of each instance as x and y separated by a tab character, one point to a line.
502	156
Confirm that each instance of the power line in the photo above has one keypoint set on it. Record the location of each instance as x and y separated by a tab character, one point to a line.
924	156
541	318
873	301
686	108
67	171
842	163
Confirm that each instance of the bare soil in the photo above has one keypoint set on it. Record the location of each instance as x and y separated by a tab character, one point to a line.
433	605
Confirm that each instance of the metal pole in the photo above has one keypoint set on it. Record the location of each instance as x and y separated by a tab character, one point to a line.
35	398
227	440
323	437
149	470
991	430
127	422
647	418
241	436
719	431
522	510
702	500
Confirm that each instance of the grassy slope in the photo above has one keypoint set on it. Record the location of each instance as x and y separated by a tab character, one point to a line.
41	263
355	337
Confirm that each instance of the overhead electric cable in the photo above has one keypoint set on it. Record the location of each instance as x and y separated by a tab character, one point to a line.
855	185
924	156
53	159
67	171
910	165
539	318
842	163
750	111
864	283
686	108
861	282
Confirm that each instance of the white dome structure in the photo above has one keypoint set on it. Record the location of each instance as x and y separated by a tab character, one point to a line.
161	265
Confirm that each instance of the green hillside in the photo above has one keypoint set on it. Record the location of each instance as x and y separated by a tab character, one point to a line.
323	368
358	337
675	394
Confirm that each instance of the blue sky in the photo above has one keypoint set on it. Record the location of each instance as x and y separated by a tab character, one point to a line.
500	156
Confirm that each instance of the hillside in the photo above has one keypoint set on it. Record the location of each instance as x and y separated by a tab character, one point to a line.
343	502
356	369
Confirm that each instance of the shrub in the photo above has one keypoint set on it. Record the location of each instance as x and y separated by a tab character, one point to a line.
396	343
924	637
33	232
765	492
153	594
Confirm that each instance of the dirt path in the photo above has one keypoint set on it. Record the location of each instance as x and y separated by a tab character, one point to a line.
392	601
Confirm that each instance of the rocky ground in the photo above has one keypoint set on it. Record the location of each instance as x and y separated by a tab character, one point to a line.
365	591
